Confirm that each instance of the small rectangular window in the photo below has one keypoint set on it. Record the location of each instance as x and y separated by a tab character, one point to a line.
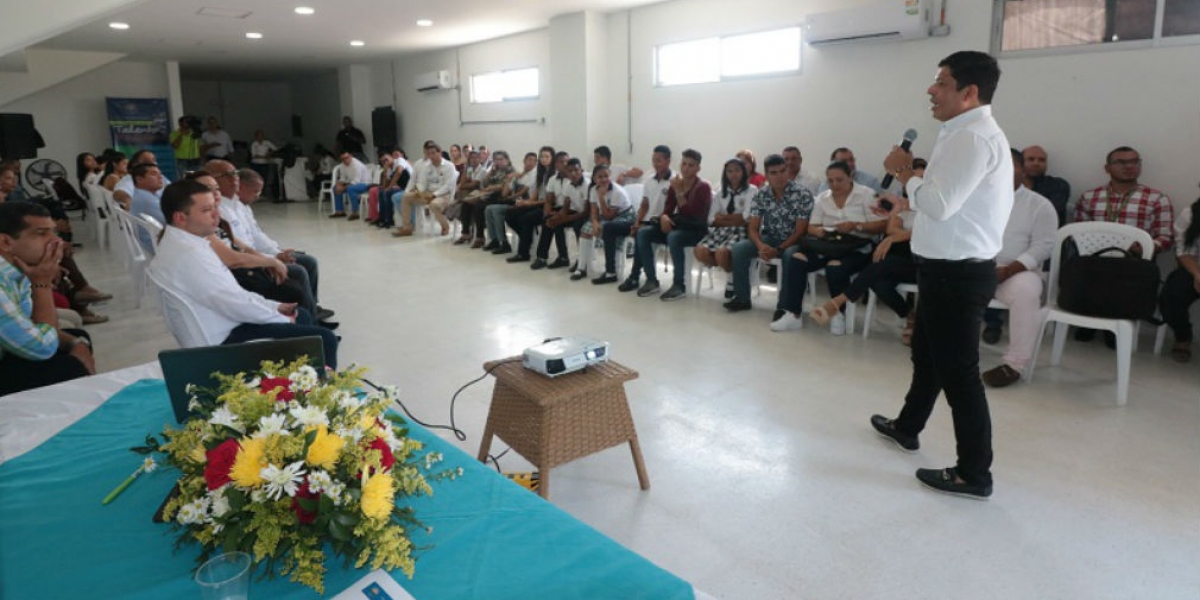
503	86
714	59
1040	24
1181	17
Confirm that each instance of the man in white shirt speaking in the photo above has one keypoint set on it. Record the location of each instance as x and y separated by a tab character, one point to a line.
962	204
227	314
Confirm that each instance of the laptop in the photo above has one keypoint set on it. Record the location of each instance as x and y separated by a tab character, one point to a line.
196	365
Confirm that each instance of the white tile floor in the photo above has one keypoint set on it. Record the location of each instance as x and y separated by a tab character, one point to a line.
767	480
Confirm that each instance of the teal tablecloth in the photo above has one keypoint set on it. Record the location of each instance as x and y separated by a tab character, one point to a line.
491	539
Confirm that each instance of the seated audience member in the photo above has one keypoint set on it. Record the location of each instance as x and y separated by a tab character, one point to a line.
401	158
892	264
528	213
238	212
34	351
353	180
123	191
846	155
607	203
650	208
795	165
116	169
844	208
490	191
433	186
87	170
262	151
321	168
187	266
527	222
458	159
683	223
215	141
468	183
727	225
569	212
1182	287
389	193
518	188
1125	200
147	184
1029	239
619	174
778	219
755	178
1054	189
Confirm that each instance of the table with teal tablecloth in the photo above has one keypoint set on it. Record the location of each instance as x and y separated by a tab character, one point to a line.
489	539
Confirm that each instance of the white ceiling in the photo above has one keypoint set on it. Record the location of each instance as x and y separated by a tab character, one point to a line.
173	29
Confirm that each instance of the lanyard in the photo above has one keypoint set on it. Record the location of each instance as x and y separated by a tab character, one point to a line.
1112	212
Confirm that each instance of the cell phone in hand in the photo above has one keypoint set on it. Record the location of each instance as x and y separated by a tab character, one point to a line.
885	204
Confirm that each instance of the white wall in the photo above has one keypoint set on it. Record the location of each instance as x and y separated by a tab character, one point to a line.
316	100
72	116
242	106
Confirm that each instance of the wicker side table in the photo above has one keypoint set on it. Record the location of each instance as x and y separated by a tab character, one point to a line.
554	421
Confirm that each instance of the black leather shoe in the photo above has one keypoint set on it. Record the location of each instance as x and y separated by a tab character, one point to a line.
323	314
736	305
944	480
559	263
538	265
577	275
330	325
887	428
492	245
629	285
605	278
505	249
518	258
991	335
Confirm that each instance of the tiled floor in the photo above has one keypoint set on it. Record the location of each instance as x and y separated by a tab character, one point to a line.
767	479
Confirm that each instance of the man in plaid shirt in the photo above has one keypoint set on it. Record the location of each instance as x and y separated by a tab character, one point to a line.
1126	201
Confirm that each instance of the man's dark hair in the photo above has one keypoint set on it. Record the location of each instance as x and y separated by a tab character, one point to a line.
833	155
574	162
839	165
250	176
1108	158
920	163
177	197
432	144
773	160
141	170
1018	156
12	216
532	155
979	69
692	154
603	151
664	150
136	159
789	149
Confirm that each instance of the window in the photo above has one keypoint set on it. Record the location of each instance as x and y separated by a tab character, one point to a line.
1040	24
503	86
715	59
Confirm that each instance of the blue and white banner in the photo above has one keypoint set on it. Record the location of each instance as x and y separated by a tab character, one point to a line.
143	124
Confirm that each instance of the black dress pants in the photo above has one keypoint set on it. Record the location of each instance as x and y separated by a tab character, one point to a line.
524	221
945	356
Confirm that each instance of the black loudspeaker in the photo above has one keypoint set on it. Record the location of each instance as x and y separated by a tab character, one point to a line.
18	138
383	127
297	126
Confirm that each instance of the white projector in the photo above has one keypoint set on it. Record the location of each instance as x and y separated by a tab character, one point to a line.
564	355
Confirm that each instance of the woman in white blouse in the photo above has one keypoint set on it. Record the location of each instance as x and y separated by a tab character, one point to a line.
727	221
845	209
609	204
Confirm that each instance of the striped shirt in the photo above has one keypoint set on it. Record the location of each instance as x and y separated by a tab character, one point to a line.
1143	207
19	335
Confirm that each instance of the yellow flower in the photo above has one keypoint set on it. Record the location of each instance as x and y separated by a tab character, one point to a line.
250	460
199	454
325	448
378	497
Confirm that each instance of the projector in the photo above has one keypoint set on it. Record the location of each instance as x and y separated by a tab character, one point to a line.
558	356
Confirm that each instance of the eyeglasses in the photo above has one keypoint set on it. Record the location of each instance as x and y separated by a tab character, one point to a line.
1126	162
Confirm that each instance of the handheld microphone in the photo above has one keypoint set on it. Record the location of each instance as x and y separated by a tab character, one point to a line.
905	144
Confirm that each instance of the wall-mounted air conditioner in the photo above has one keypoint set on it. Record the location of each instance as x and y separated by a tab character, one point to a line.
434	80
881	21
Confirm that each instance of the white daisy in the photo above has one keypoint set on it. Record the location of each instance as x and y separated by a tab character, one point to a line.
220	504
257	495
309	416
304	379
347	401
271	425
148	465
319	480
282	481
193	513
224	416
353	434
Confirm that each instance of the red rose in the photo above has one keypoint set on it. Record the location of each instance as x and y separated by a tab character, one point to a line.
283	384
220	462
387	459
304	516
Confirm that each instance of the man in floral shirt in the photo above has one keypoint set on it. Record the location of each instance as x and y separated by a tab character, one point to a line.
778	219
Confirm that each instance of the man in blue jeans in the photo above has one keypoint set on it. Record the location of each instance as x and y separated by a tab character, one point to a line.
354	179
683	223
778	219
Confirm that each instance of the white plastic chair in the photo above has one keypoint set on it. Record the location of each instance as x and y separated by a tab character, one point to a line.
151	226
136	259
327	189
1090	237
180	316
98	205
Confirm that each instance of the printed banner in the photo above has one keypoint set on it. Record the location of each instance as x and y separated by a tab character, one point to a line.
143	124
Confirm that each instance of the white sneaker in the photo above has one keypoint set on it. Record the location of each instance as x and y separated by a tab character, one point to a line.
788	322
837	325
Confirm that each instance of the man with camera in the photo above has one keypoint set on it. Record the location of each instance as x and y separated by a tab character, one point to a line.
186	143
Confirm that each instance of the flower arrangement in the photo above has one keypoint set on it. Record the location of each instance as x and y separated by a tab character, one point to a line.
282	465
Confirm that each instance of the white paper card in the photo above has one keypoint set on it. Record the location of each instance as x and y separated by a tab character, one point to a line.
377	585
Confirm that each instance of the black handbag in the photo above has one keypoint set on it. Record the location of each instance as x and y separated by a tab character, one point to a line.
1109	287
833	244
